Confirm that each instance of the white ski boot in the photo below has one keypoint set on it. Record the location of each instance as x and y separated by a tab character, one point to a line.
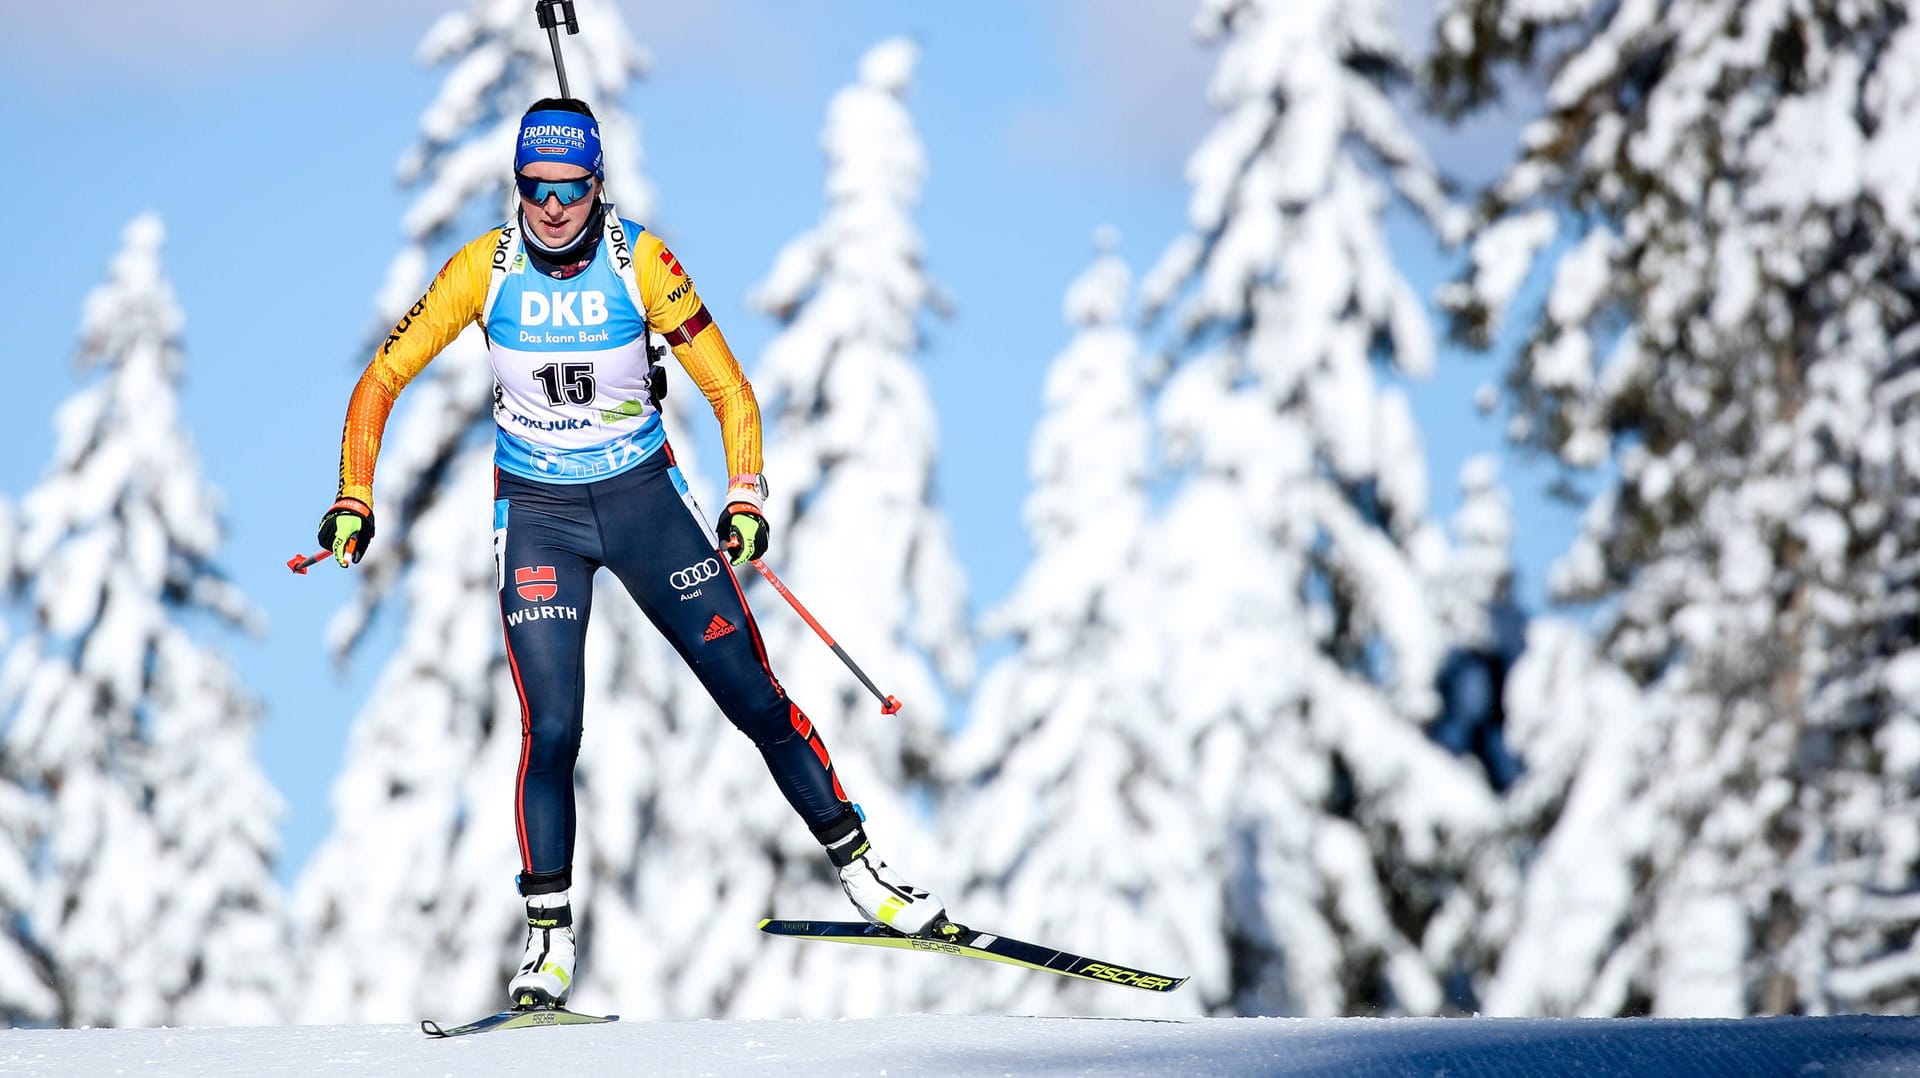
879	893
546	969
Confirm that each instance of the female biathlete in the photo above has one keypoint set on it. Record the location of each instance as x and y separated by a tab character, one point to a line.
567	293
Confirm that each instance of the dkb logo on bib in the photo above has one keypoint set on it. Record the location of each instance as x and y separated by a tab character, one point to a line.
558	308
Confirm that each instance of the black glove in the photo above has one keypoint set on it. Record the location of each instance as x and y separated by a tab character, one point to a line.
744	532
347	529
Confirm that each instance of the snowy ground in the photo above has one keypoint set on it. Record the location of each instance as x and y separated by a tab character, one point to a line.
937	1045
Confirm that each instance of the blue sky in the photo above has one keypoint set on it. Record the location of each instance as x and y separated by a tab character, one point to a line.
267	139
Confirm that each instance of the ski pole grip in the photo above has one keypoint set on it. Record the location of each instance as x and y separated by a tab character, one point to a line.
556	13
552	15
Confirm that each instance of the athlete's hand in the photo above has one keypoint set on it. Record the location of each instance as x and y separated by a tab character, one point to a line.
347	529
744	532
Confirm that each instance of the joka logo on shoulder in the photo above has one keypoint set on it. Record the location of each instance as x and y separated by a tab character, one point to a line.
536	583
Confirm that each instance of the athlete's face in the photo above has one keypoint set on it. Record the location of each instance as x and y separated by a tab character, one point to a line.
554	223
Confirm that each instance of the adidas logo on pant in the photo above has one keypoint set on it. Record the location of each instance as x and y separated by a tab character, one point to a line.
718	627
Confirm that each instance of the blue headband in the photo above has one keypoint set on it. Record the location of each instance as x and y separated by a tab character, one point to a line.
557	135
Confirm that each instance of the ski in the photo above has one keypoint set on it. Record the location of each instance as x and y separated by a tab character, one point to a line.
964	942
517	1018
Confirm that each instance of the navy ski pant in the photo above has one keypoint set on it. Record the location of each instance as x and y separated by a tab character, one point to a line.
548	539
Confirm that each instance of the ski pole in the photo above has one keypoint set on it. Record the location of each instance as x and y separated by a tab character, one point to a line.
299	562
552	15
888	705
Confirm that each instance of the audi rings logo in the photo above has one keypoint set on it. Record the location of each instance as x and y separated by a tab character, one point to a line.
694	574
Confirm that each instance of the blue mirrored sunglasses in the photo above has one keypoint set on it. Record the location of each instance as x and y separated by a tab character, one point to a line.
567	191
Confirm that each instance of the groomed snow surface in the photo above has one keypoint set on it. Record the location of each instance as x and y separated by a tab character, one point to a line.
941	1045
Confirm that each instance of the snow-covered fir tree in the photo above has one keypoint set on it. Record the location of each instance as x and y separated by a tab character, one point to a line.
150	854
411	899
218	816
26	979
1482	619
1547	891
1071	799
1729	200
851	446
1294	553
1478	577
27	996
